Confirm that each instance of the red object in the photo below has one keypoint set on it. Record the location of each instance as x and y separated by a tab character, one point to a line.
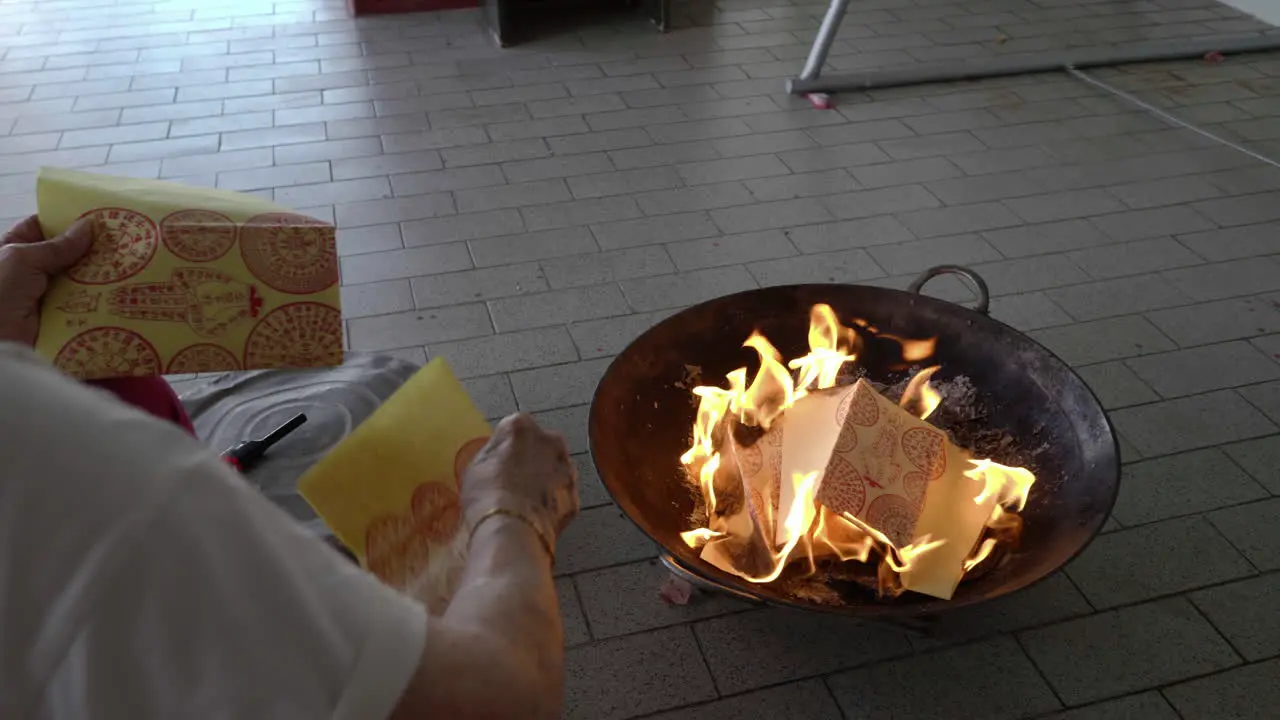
675	591
383	7
1214	57
151	395
821	101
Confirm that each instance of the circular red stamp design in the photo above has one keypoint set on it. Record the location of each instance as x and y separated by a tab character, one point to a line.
847	440
386	546
775	468
436	511
915	485
894	516
756	506
390	569
843	489
108	352
462	459
750	459
291	253
774	436
924	448
124	242
417	559
860	407
198	235
204	357
304	334
386	534
885	443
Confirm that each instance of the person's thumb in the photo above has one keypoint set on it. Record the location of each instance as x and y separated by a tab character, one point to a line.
56	255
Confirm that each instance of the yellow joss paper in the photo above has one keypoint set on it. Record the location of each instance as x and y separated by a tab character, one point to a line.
182	279
390	490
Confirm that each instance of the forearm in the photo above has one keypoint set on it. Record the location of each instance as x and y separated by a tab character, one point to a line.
498	651
507	591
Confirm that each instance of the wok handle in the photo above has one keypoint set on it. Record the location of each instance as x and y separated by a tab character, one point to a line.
971	278
700	582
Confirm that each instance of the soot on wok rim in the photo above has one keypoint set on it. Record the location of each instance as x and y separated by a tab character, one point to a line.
642	413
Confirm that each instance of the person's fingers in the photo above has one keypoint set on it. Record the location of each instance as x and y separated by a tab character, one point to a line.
53	256
27	231
557	441
511	425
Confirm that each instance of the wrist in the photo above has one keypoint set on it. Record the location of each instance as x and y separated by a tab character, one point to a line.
532	512
512	522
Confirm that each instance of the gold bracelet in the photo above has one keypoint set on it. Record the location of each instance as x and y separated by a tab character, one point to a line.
522	517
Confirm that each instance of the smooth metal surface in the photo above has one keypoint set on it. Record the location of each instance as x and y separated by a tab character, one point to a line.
1019	64
973	279
675	568
643	410
822	43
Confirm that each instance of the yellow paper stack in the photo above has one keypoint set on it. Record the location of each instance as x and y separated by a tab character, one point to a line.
182	279
390	490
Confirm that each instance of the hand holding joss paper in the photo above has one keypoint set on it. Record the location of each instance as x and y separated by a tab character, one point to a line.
524	470
182	279
27	263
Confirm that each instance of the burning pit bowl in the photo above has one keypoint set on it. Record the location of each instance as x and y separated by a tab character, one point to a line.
643	410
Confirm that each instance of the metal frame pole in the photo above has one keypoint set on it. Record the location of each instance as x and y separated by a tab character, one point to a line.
822	43
809	80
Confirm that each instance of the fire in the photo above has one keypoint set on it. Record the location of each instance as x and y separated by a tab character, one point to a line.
919	397
806	529
988	544
770	392
831	345
796	523
1010	486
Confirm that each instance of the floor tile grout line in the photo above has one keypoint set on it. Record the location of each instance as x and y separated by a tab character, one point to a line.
763	607
1062	704
1218	531
582	608
1051	714
1223	636
706	662
831	693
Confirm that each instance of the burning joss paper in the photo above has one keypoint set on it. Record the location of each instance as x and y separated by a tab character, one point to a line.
841	471
889	472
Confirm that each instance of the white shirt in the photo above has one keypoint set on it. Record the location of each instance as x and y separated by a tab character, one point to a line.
140	577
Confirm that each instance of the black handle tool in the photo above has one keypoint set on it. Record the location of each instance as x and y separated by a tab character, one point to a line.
247	454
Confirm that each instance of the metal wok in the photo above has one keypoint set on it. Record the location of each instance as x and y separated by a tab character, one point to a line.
642	413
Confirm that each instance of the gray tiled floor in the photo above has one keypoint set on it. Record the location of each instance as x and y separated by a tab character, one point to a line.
527	212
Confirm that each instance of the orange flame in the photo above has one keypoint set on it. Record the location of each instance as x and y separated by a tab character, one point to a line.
771	390
1008	485
831	345
980	554
913	351
808	527
796	524
698	536
920	395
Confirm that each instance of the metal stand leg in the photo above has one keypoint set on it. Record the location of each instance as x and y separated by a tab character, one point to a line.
810	81
822	43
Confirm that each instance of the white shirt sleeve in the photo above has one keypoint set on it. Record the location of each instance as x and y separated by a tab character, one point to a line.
142	578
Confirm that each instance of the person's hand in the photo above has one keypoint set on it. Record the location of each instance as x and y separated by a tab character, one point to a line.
525	469
27	262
